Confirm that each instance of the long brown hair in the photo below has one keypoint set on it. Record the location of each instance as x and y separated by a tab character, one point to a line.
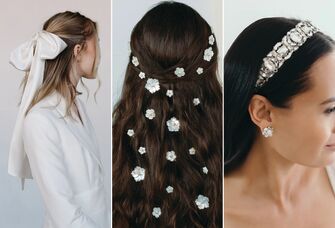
74	28
168	36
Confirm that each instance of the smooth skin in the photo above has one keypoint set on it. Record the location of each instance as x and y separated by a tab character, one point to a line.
86	61
283	182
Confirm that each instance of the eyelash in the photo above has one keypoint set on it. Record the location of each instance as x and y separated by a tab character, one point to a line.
330	110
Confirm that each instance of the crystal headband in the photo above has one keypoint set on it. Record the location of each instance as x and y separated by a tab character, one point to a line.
283	50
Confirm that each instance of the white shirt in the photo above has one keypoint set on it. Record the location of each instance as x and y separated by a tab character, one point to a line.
64	159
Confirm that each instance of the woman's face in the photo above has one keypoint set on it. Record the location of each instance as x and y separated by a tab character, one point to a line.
89	58
305	132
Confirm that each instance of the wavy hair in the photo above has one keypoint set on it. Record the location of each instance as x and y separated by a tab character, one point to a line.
170	35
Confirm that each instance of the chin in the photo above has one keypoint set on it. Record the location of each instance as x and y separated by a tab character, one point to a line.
89	76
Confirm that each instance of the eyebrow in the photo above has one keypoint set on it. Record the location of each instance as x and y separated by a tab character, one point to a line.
329	100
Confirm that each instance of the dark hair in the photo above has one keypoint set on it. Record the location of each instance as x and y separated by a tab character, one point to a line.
169	35
241	67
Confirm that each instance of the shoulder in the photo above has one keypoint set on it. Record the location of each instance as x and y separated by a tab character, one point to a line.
41	119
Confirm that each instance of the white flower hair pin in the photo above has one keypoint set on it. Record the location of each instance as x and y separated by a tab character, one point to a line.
180	72
171	156
202	202
150	114
211	39
156	211
173	124
138	174
208	54
134	60
152	85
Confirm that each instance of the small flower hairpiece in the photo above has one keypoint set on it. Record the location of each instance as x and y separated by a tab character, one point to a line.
134	60
200	70
211	39
169	189
171	156
152	85
196	101
141	75
204	170
142	150
138	174
130	132
173	124
208	54
191	151
202	202
180	72
150	114
169	93
156	211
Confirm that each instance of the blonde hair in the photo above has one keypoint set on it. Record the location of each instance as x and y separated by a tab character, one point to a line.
73	28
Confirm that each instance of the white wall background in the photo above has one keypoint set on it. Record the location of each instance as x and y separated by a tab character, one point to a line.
238	14
19	20
125	15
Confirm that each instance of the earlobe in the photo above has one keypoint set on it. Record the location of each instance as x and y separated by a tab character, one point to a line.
260	111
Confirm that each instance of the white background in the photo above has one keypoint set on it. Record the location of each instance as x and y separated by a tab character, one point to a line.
125	15
19	20
238	14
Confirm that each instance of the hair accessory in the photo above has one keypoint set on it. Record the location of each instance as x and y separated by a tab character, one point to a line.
179	72
156	211
150	114
138	174
171	156
202	202
142	150
283	50
169	93
152	85
30	57
173	124
169	189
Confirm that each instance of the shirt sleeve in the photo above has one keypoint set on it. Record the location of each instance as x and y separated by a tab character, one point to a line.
46	158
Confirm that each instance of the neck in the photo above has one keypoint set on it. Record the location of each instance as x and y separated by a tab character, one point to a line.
74	78
270	174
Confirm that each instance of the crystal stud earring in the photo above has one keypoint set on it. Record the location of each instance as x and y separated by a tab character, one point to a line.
267	132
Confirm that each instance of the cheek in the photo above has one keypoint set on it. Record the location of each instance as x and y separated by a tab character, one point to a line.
87	63
302	140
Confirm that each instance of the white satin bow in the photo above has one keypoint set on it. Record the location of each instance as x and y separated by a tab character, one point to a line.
30	56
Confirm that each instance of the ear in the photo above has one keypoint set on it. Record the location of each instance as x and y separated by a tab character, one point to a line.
76	51
260	111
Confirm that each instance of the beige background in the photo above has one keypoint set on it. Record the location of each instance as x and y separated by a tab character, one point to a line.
19	20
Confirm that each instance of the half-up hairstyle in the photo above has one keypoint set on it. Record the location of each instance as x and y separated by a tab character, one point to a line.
167	127
74	28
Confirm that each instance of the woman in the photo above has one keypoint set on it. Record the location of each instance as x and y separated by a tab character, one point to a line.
54	141
280	126
167	135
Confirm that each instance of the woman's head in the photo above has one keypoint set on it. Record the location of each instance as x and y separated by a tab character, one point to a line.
289	102
169	36
79	59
